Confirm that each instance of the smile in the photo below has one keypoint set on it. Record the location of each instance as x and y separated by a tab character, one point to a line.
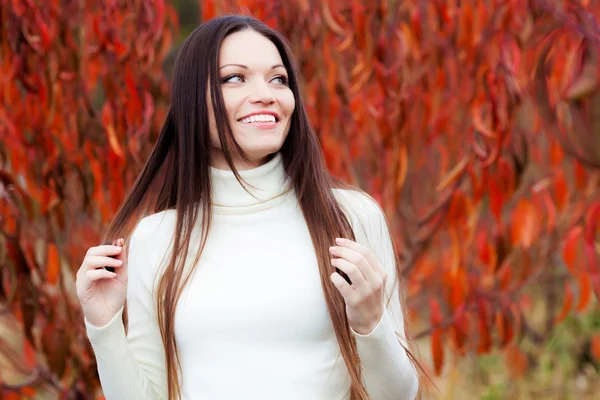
259	119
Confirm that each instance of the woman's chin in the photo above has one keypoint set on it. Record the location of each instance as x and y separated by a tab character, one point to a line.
259	151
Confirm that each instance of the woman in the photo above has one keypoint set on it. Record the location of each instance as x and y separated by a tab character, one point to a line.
233	275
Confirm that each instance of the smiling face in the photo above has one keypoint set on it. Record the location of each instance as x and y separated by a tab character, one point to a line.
258	100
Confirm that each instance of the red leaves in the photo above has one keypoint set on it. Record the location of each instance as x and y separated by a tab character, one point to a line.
427	106
74	104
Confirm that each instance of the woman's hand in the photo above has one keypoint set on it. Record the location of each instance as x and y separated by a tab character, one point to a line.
102	293
365	296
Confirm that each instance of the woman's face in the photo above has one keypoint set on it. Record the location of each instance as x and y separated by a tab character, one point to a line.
258	100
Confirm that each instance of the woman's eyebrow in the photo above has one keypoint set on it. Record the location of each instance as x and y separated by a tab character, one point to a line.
246	67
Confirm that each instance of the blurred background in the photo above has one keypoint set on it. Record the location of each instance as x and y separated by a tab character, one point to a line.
474	123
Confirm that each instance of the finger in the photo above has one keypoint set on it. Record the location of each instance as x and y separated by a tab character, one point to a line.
343	287
365	251
92	262
357	259
104	250
356	276
123	255
97	274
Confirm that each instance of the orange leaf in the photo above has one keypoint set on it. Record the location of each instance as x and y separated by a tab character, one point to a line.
569	252
585	82
496	198
595	346
505	328
437	350
460	329
561	191
580	175
589	246
556	153
567	304
52	264
453	175
29	355
526	224
485	338
504	275
435	312
107	120
402	167
585	292
516	361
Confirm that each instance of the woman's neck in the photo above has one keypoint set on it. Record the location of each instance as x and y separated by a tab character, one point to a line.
263	187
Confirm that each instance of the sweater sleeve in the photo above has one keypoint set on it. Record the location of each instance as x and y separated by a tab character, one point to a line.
388	372
132	366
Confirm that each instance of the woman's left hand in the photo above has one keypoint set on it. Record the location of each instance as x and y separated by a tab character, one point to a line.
365	296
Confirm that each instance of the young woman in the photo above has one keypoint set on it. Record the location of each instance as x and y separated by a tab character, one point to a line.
249	272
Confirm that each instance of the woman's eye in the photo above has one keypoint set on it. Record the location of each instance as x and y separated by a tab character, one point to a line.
281	79
233	79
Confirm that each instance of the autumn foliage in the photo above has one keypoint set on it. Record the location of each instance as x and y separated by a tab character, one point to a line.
475	123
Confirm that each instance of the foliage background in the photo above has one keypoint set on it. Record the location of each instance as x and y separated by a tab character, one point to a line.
474	123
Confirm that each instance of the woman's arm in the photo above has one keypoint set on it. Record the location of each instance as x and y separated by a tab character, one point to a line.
132	366
388	372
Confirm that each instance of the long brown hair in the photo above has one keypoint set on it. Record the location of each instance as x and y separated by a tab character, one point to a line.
177	176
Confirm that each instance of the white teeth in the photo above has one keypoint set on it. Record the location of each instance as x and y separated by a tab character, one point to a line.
258	118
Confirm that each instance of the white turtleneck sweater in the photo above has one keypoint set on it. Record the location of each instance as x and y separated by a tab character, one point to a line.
252	322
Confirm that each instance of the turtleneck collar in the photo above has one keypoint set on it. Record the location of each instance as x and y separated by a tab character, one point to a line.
267	184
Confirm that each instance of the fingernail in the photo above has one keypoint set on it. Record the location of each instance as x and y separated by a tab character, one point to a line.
339	240
120	262
332	248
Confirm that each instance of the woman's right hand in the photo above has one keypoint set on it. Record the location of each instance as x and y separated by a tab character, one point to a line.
102	293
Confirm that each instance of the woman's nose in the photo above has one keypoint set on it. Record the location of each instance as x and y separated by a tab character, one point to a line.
261	94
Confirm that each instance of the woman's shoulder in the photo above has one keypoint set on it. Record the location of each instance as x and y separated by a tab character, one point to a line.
155	227
357	203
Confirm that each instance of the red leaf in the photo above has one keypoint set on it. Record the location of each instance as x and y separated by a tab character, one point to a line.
52	264
561	190
435	312
504	327
567	304
496	198
595	346
113	141
585	292
525	224
589	247
556	153
516	361
454	174
570	246
580	175
485	338
437	351
29	355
